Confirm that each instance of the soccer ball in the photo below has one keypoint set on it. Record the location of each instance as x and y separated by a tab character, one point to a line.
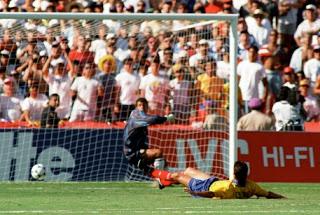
38	172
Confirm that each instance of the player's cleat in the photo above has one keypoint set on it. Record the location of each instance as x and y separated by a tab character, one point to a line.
160	185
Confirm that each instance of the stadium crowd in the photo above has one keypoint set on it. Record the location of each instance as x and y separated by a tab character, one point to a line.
99	68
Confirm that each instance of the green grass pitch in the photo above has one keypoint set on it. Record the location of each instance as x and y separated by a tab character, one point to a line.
142	198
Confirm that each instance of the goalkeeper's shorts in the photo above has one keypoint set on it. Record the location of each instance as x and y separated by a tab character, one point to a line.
135	158
201	185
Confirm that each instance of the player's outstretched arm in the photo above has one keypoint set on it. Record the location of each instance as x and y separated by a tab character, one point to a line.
205	194
272	195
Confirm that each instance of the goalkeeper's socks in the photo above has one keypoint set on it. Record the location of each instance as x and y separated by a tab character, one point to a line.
162	174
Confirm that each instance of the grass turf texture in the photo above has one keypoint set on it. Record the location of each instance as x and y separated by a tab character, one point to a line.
142	198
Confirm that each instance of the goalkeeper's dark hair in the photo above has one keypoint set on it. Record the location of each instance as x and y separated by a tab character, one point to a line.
142	100
240	172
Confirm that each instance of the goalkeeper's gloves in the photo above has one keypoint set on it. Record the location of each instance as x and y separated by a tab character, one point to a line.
170	117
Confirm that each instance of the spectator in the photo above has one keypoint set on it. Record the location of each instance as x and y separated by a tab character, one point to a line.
213	120
243	27
251	73
33	105
182	58
122	54
140	7
7	43
85	90
301	54
99	42
219	49
224	67
310	104
287	117
259	31
166	43
274	79
178	24
49	117
165	66
33	73
49	39
152	44
60	80
155	88
180	92
210	85
5	61
166	6
289	78
244	44
255	120
128	85
311	24
248	8
106	102
81	53
213	6
202	53
10	102
287	21
312	67
180	44
253	21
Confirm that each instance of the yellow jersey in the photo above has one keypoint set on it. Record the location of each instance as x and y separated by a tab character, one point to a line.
211	87
226	189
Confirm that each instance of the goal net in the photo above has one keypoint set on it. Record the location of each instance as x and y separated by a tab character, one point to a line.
69	81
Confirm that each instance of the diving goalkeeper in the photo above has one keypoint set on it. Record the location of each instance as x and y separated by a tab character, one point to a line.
135	138
200	184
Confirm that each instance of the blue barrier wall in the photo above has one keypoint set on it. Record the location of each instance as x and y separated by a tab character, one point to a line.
68	154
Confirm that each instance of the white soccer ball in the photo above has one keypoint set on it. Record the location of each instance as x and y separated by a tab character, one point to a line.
38	172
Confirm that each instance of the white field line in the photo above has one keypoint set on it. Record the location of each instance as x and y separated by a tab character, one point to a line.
172	210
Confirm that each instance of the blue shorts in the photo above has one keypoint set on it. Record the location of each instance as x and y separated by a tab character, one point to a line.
200	185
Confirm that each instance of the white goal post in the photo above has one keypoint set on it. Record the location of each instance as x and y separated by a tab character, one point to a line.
9	155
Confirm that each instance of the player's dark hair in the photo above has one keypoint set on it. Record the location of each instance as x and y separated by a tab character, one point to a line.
240	172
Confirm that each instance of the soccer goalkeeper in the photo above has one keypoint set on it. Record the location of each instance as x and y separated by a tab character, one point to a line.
135	138
200	184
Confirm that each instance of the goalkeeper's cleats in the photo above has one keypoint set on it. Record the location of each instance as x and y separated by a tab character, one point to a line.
160	185
163	183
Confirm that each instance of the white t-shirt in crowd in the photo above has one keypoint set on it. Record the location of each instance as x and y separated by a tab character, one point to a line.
34	106
283	112
180	91
307	26
223	69
129	87
155	88
87	93
312	70
10	108
296	60
251	73
61	85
